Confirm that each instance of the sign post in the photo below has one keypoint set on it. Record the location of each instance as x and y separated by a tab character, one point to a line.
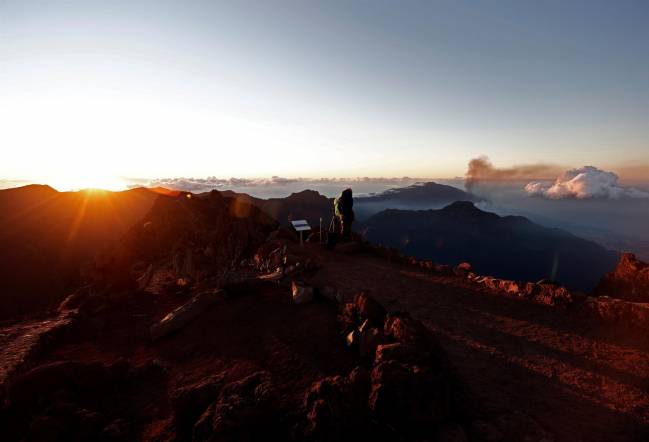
301	225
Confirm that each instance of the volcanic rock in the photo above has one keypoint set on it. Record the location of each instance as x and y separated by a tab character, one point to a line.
336	406
399	352
185	313
242	412
370	309
411	398
369	339
189	402
629	280
48	378
301	293
462	269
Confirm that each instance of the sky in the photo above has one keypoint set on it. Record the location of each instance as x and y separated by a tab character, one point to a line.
95	93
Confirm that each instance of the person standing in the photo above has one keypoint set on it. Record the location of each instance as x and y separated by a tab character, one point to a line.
343	206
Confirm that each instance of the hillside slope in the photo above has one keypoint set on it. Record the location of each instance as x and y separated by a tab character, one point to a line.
536	372
48	233
507	247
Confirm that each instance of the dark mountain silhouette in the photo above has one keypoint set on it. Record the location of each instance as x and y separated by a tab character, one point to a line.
415	197
509	247
45	235
200	236
311	205
307	204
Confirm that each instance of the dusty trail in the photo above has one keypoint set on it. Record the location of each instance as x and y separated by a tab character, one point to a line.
18	341
534	369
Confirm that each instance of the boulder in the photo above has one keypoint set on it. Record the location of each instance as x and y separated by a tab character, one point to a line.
46	429
117	430
510	287
94	305
463	269
530	290
410	398
615	311
190	401
301	293
629	280
552	294
451	433
51	377
336	406
74	300
186	313
331	294
404	353
370	309
492	283
444	269
407	330
242	412
428	265
143	281
369	338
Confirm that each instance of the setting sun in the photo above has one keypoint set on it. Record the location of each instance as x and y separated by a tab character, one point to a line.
78	181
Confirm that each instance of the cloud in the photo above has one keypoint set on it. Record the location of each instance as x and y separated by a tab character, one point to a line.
7	184
583	183
198	185
481	169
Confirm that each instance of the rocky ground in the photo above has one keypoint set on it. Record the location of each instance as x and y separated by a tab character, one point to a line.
538	372
184	352
301	343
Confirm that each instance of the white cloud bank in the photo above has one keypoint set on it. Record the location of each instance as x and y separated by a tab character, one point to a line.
583	183
206	184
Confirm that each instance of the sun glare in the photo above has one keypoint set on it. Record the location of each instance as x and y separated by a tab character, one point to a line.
87	182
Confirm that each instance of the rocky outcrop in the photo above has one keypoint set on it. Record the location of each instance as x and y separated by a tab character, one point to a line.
336	407
186	313
59	401
618	312
629	280
190	401
244	411
22	343
197	236
410	392
301	293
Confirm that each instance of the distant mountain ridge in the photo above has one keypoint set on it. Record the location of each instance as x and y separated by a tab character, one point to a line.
418	196
307	204
509	247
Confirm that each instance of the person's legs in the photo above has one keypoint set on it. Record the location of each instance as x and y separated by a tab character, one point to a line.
346	228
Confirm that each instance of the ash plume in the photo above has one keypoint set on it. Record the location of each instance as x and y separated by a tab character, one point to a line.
481	169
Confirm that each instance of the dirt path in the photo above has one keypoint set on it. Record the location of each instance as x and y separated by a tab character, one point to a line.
528	365
19	341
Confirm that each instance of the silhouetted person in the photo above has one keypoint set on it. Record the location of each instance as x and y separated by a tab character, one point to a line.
343	206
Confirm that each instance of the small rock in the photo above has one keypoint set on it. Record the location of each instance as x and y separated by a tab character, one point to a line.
462	269
185	313
331	294
352	338
482	430
302	294
370	309
369	339
116	430
188	402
